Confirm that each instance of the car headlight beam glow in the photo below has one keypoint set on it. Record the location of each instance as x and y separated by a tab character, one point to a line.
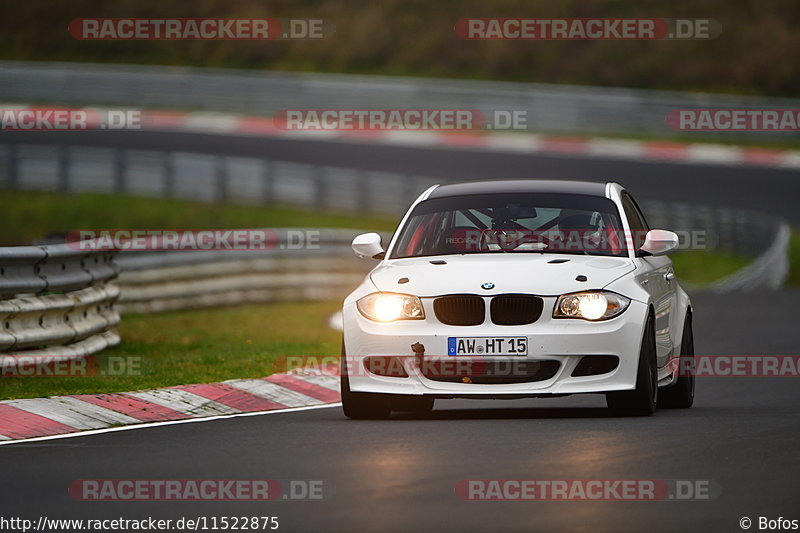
590	305
390	306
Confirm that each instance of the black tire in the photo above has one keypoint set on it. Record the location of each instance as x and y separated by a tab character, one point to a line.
643	399
412	404
680	395
361	405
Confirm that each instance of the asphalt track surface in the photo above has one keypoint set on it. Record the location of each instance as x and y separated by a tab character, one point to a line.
771	190
400	475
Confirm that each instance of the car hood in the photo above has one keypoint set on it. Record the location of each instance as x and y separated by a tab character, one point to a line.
544	274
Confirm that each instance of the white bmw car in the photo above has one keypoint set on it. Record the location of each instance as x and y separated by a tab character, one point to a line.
515	289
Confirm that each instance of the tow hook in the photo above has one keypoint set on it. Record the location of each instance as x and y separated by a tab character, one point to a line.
419	353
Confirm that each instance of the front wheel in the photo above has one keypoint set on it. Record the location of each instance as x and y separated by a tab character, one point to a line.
681	394
361	405
642	400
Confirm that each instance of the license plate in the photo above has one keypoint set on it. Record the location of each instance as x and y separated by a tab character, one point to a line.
487	345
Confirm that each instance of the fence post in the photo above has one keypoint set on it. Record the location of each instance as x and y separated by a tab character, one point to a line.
63	168
13	166
363	194
320	186
119	171
409	190
169	175
221	179
268	182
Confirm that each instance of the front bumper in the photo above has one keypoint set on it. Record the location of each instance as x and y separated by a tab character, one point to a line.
563	340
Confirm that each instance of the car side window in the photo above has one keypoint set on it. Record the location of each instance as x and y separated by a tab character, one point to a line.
635	219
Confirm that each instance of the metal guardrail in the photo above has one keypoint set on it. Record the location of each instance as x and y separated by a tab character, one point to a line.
214	178
59	301
237	282
205	177
738	231
56	300
562	108
163	281
768	271
50	268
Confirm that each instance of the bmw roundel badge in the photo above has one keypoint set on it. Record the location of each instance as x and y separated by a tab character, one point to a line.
488	285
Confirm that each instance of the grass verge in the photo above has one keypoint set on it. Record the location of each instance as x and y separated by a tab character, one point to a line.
30	215
702	267
211	345
201	346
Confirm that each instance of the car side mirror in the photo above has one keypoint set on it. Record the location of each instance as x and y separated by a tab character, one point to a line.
368	246
659	242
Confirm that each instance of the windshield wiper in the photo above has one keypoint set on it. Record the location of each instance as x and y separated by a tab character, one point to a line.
570	252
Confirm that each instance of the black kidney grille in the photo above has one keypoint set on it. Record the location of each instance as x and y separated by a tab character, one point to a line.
515	309
460	310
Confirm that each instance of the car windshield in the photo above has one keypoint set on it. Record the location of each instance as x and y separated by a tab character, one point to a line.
512	223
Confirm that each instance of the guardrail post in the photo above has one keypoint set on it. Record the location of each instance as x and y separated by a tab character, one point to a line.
63	169
12	166
363	194
409	190
169	175
320	186
268	182
119	171
221	179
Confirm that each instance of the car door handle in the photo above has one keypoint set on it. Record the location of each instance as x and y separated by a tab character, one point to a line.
669	276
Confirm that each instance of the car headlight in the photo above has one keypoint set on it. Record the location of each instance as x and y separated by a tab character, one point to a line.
590	305
390	306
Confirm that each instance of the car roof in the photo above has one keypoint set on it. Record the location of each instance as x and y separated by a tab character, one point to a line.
519	186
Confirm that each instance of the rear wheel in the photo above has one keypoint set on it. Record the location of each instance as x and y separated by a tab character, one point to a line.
642	400
361	405
681	394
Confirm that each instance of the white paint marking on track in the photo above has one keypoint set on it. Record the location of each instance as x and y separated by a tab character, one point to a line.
274	392
710	153
410	138
212	122
326	381
184	401
614	148
3	437
336	321
510	142
790	160
165	423
311	135
72	412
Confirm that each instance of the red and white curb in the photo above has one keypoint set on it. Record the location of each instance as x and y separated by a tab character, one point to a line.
58	415
506	142
482	140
